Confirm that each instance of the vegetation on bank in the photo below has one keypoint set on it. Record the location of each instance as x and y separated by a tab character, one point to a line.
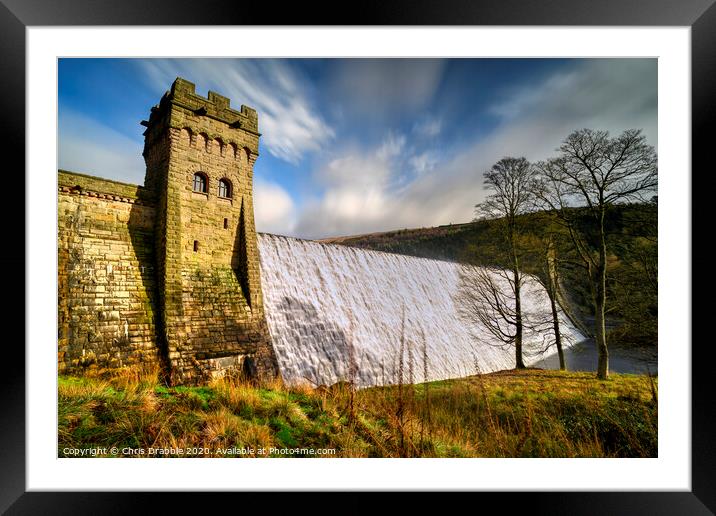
526	413
631	279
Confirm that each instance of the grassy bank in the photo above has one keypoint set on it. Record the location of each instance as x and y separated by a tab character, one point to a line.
531	413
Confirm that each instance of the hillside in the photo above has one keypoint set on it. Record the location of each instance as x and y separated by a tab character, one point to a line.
440	243
632	242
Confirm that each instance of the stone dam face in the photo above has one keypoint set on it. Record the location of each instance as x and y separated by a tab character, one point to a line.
172	275
336	313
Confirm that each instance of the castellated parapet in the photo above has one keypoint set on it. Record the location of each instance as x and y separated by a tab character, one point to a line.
185	244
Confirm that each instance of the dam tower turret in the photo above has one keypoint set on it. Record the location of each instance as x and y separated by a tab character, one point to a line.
200	154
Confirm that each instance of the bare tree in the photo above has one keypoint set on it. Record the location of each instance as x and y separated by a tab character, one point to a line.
486	296
510	180
542	260
591	173
550	281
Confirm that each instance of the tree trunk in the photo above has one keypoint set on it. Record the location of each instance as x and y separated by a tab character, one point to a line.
519	364
600	301
557	333
553	281
601	336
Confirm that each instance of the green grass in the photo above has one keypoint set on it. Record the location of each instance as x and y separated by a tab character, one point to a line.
529	413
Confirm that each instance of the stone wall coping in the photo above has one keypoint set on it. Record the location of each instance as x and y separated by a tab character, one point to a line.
92	186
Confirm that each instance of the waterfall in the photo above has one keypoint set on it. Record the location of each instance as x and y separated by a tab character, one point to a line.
329	306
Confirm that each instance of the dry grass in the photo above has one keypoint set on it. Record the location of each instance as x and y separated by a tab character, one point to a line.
528	413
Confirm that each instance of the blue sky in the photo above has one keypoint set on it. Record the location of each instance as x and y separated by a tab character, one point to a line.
352	146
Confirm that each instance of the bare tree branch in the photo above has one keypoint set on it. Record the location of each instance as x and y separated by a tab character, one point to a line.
591	173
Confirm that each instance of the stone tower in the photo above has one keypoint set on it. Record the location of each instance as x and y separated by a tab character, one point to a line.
200	155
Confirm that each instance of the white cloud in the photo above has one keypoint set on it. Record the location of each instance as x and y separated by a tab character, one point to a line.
356	193
428	128
355	169
90	147
521	100
611	95
273	208
375	87
422	163
399	182
289	122
392	146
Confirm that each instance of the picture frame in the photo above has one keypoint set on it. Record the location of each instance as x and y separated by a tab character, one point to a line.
699	15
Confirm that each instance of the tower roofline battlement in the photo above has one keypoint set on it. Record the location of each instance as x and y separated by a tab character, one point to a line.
216	106
168	274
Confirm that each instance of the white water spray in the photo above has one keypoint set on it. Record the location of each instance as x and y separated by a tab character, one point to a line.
327	303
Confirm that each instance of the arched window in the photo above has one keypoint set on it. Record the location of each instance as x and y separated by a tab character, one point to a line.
224	188
200	182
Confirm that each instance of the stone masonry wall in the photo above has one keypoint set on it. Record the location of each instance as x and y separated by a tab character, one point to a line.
208	271
162	274
106	277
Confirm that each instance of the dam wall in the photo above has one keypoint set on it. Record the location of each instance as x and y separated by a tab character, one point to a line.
336	312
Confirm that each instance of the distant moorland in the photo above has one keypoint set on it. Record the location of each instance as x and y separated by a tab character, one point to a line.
631	278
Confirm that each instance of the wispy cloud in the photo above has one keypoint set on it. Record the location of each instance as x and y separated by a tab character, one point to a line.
426	169
88	146
392	146
360	188
611	95
356	203
274	210
290	123
423	163
377	88
428	127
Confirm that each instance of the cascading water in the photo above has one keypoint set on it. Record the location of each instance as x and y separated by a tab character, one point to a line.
338	313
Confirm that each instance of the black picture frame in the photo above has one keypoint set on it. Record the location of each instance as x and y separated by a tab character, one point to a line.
16	15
